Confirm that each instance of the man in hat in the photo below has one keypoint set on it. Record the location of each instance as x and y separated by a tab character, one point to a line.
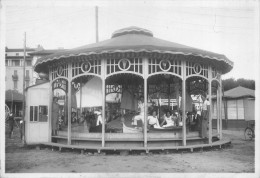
55	116
204	116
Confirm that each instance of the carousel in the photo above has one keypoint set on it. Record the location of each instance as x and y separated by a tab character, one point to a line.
131	92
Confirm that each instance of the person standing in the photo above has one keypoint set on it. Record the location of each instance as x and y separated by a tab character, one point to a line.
55	116
205	116
11	124
141	113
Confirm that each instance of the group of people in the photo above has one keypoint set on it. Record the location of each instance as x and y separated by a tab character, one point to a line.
169	119
91	119
152	120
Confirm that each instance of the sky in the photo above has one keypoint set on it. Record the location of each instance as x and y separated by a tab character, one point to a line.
225	28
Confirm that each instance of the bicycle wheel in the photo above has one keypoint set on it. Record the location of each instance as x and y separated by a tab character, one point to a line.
248	133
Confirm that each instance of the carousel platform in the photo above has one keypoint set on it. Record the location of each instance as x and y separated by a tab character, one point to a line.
128	136
217	144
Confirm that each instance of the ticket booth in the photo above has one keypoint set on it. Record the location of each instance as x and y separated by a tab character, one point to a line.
36	116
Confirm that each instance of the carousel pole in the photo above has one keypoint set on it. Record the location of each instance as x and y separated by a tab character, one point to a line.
50	106
183	99
210	100
103	66
80	93
69	102
217	110
145	61
220	105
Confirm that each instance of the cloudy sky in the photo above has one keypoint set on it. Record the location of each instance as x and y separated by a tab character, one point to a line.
226	28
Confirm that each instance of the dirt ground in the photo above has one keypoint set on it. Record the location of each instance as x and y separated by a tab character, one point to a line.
237	158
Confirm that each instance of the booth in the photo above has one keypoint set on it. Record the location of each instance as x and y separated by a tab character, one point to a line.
109	92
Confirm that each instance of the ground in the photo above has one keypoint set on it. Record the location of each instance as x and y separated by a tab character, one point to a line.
237	158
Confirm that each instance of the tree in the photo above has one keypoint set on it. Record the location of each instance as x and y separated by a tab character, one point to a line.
232	83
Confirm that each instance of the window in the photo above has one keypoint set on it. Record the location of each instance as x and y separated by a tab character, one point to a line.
15	84
28	63
6	62
27	73
43	113
33	113
27	83
15	62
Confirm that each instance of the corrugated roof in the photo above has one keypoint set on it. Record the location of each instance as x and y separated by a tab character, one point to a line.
239	92
138	40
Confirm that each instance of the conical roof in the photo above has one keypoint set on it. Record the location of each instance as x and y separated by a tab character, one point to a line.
138	40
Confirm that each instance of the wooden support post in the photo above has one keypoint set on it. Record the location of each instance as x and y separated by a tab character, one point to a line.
69	103
183	99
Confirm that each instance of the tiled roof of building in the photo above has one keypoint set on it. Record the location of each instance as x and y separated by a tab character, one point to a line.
46	51
18	49
239	92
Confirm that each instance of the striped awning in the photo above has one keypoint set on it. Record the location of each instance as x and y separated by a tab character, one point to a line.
141	41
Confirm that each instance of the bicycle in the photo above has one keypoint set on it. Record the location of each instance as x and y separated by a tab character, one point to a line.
250	130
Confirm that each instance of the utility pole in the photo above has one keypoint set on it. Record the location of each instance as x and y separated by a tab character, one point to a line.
96	10
22	131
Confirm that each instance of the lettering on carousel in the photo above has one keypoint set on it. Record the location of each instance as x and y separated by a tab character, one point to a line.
60	84
113	89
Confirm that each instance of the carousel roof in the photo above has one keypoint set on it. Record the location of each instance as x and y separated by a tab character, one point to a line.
138	40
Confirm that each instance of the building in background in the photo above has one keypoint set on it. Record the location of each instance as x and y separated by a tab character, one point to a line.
238	107
40	52
14	62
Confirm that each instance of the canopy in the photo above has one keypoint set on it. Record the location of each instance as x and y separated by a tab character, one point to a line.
137	40
91	93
